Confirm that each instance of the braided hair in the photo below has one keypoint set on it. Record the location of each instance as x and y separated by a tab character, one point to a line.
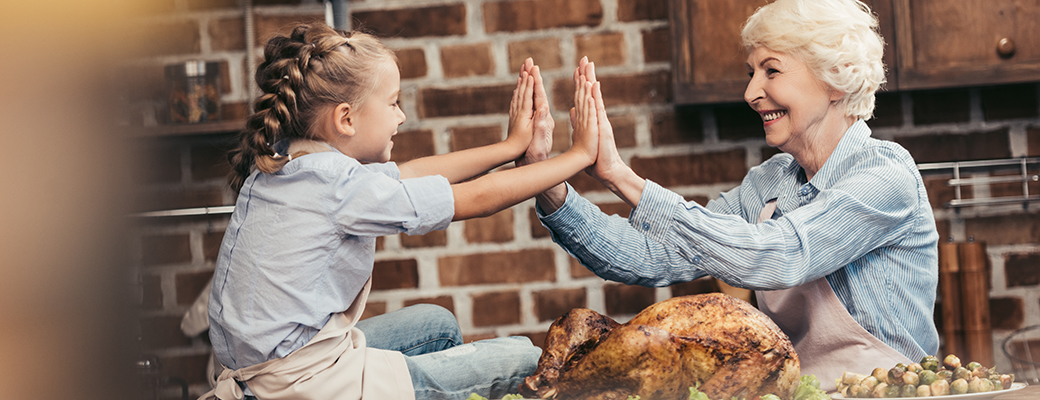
302	74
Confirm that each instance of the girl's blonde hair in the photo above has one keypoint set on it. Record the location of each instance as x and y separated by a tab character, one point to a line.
303	74
838	39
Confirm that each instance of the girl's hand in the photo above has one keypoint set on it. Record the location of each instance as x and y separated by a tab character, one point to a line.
521	109
542	141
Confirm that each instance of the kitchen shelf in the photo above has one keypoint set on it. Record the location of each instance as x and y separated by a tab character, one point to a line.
204	128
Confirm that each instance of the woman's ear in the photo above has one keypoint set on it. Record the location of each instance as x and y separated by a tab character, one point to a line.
343	119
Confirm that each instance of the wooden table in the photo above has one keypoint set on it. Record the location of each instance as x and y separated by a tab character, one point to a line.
1031	392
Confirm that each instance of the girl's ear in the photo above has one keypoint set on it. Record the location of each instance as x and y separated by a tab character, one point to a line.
343	119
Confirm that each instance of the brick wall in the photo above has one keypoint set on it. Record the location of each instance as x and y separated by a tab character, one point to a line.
502	275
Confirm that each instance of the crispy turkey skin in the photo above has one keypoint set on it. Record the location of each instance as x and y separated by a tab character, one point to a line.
724	345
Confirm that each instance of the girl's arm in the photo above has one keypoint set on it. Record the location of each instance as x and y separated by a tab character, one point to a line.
462	165
494	192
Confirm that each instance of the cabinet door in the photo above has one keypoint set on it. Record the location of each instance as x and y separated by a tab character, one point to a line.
945	43
708	58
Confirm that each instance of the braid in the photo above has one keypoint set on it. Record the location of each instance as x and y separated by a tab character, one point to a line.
313	67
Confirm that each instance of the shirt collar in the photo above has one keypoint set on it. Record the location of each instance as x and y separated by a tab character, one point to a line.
850	142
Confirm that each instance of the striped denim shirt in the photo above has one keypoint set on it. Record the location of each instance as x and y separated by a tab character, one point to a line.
864	222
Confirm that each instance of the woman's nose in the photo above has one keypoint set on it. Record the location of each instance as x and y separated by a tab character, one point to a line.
754	91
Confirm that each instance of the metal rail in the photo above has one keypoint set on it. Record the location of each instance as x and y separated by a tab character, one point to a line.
1022	164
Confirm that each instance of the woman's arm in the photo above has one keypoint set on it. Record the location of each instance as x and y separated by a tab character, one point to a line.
461	165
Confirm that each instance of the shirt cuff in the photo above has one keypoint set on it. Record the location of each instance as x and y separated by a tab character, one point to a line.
654	214
566	218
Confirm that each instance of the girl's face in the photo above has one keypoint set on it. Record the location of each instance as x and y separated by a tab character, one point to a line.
375	122
792	102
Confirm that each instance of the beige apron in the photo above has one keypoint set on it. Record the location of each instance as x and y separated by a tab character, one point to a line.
333	365
828	341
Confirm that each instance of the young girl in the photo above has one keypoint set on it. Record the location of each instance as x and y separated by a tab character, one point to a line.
315	190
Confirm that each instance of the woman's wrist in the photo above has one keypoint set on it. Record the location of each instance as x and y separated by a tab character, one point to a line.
625	183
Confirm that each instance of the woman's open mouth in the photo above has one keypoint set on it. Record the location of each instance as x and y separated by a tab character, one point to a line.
772	116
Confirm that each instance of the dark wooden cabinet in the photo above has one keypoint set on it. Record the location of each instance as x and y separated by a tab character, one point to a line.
928	44
944	43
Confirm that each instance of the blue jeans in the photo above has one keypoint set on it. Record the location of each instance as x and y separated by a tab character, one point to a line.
441	366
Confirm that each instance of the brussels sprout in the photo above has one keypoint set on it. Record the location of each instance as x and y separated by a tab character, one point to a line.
911	378
880	374
995	385
972	366
940	388
945	375
980	371
959	386
985	385
1006	380
895	375
862	391
927	377
930	363
962	373
915	368
908	391
869	382
924	391
892	391
975	385
951	362
854	390
879	390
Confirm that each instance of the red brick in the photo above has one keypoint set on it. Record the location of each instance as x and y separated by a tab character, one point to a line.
972	146
603	49
737	121
190	368
941	106
533	15
446	20
535	265
642	10
211	4
468	137
467	60
395	274
144	83
537	338
624	299
497	228
943	228
165	249
888	110
432	239
151	292
477	100
562	135
227	34
657	45
1022	269
537	230
551	304
443	301
211	244
190	285
380	243
706	284
167	38
646	88
1005	229
209	160
579	271
161	164
373	308
624	127
1012	189
477	337
693	169
1007	313
276	2
544	52
682	126
412	63
1025	348
269	26
1033	141
584	183
1009	102
939	192
162	332
496	308
409	145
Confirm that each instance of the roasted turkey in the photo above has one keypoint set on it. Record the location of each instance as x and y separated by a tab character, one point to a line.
718	342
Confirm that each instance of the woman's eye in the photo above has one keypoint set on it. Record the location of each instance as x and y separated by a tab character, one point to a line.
771	71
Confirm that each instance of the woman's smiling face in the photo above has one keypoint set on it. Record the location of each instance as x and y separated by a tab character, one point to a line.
792	102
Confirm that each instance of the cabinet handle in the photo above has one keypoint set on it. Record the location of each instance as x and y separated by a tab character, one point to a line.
1006	47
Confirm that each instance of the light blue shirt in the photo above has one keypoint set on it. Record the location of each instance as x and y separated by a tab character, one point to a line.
301	244
864	222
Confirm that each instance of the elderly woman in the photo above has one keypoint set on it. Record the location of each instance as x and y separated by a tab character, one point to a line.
835	234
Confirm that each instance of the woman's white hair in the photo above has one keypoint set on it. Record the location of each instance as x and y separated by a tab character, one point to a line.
838	39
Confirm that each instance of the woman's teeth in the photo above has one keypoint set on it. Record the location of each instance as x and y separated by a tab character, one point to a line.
773	115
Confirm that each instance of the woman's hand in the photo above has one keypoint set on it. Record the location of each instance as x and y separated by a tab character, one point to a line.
522	109
542	140
584	117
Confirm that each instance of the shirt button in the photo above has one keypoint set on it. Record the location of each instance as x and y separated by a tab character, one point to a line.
696	259
646	226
